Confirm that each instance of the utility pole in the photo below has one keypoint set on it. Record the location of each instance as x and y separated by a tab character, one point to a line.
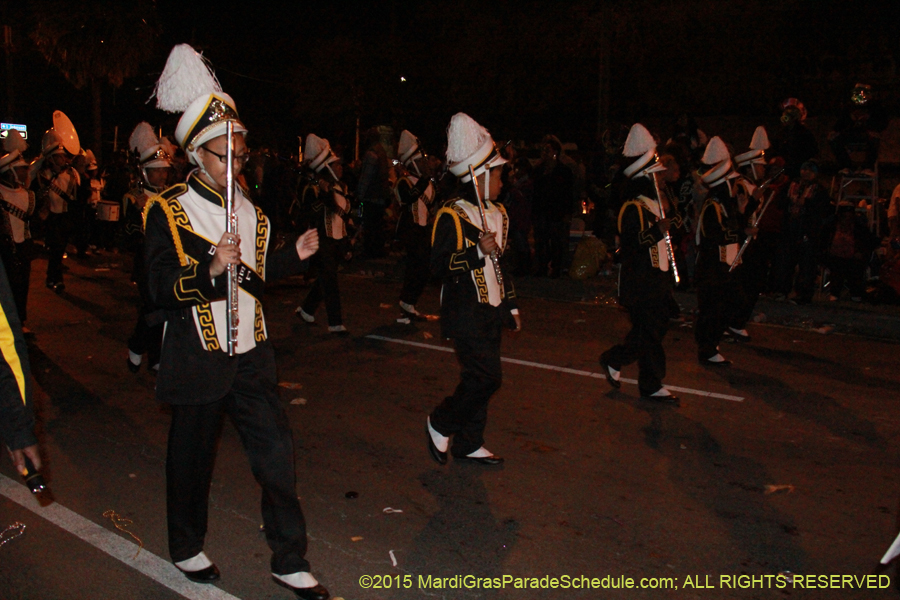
603	82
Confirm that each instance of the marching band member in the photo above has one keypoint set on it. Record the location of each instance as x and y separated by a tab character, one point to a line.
55	183
719	234
415	192
645	285
187	251
752	269
325	200
476	301
17	203
156	173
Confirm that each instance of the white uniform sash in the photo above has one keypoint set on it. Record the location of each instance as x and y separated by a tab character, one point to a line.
207	220
338	226
485	276
658	254
419	207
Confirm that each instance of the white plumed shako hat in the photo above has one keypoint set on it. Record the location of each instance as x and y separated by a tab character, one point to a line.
409	147
188	85
51	143
151	153
718	159
470	144
640	145
758	146
318	151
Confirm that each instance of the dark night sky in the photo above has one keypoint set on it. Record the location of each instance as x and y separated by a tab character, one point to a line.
521	68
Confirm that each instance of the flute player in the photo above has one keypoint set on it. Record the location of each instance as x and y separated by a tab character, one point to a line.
187	253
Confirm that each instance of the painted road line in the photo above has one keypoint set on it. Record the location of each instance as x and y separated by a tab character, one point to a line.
154	567
537	365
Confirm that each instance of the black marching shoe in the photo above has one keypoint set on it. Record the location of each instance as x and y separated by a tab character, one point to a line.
669	399
207	575
737	335
316	592
134	368
408	316
437	455
491	460
615	383
724	362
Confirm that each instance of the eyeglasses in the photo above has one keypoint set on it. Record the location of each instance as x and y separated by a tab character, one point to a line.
239	159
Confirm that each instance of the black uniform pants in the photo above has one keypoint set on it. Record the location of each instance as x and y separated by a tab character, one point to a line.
373	228
649	323
798	253
326	284
750	277
720	301
551	244
146	338
253	406
57	238
417	240
851	271
464	414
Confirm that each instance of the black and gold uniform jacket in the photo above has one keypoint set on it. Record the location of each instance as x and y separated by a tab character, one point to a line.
16	411
720	231
645	270
416	197
472	300
326	211
181	229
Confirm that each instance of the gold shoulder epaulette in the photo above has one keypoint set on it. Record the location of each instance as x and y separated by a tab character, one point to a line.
640	208
402	179
311	187
706	205
446	210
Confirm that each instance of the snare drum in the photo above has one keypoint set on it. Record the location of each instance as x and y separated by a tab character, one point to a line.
108	211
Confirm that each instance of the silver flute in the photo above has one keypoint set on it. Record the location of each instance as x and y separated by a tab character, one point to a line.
231	226
670	253
495	258
740	252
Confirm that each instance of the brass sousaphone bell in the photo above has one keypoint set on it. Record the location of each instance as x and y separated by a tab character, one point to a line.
66	131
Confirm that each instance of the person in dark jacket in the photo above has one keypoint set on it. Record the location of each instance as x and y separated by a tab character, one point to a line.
795	143
645	284
198	377
806	206
551	209
861	123
327	204
847	244
721	228
373	190
416	193
477	298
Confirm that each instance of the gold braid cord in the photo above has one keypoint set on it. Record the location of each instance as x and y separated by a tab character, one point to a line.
164	200
121	523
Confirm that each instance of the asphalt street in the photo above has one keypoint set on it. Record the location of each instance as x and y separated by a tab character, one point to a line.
785	462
